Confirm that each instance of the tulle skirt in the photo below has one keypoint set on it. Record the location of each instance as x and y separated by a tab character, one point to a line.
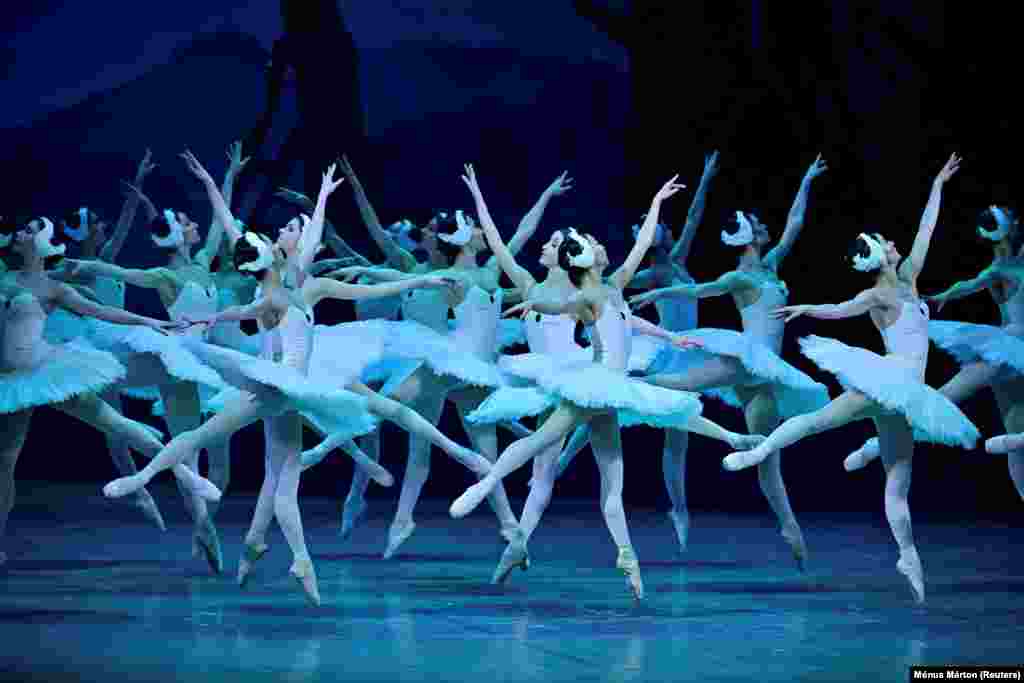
284	389
795	392
68	370
970	343
588	385
895	383
411	345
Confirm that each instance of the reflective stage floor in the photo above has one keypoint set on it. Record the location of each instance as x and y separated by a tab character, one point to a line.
91	593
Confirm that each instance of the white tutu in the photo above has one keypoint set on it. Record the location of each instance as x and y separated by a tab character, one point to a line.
588	385
412	341
150	358
969	343
510	333
68	370
230	334
894	383
795	392
341	412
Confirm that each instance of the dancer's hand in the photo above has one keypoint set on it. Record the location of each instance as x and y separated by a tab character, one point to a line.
816	169
521	309
668	189
145	167
195	167
949	170
166	326
560	186
133	190
235	161
787	313
346	167
939	301
638	301
683	342
438	282
328	184
469	178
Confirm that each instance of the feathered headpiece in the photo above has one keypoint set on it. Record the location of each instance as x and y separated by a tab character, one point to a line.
265	260
1004	223
743	236
463	235
44	240
584	259
80	233
176	237
873	261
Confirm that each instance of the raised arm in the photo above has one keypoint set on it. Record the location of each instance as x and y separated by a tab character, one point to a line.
332	239
729	283
311	239
645	237
317	289
531	220
396	256
859	305
112	248
375	273
215	235
221	210
912	267
795	221
502	253
681	249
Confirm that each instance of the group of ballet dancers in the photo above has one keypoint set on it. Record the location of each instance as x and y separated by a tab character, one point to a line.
433	325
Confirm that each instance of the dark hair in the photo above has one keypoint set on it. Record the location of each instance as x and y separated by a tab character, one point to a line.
13	259
987	221
447	226
74	220
858	247
161	229
245	253
566	250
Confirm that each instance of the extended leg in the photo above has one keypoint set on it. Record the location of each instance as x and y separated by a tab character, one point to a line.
14	427
125	466
673	468
577	442
897	442
719	371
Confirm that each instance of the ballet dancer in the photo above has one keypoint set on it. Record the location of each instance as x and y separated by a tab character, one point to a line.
889	389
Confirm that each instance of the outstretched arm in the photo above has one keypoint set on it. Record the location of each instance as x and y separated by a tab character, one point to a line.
531	220
645	237
681	249
148	278
914	264
502	253
396	256
320	288
68	298
648	328
729	283
860	304
112	248
252	311
964	288
795	221
375	273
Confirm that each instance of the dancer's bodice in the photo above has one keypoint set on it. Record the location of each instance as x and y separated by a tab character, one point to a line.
758	321
907	336
291	341
22	319
678	313
1013	308
234	289
550	334
476	322
613	327
194	302
427	307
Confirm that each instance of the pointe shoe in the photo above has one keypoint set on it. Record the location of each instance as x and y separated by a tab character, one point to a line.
1000	445
351	515
909	565
397	535
206	540
681	523
124	486
199	486
469	500
860	458
302	571
515	555
734	462
744	442
630	566
795	539
248	560
144	501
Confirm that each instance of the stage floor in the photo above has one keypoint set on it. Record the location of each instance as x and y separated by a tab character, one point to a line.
91	593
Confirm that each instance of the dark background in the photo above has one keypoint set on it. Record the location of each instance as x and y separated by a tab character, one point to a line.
620	94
